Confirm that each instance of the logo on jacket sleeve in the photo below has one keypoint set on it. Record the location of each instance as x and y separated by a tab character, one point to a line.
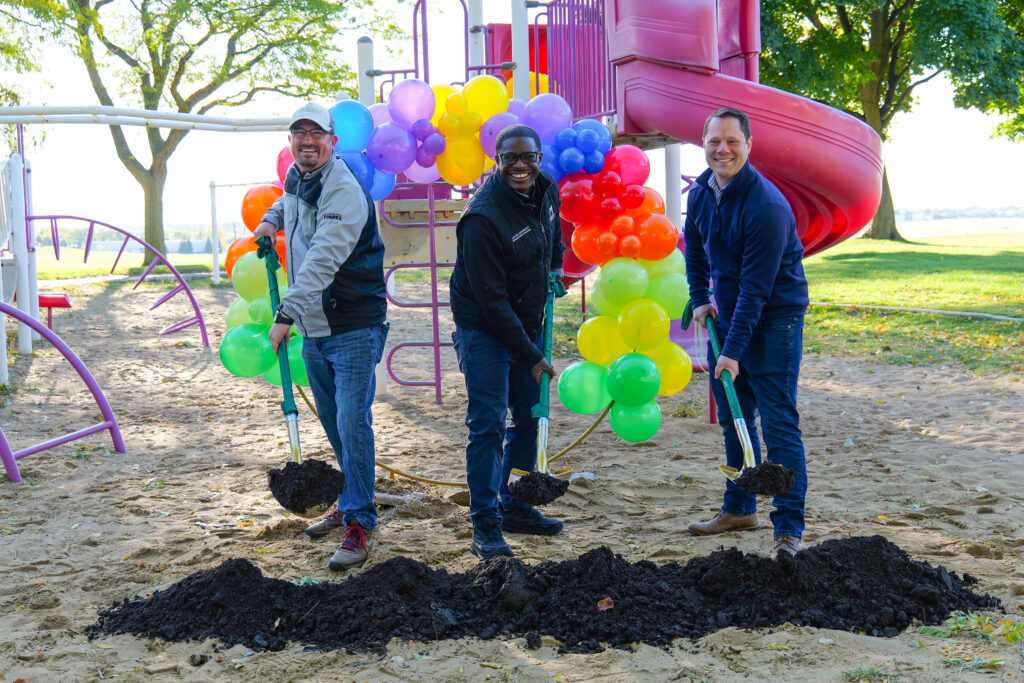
522	233
333	217
551	213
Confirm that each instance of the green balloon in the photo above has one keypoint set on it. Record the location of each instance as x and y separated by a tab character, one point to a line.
622	280
261	311
602	303
670	291
635	423
673	263
582	388
633	379
238	313
245	350
249	277
295	364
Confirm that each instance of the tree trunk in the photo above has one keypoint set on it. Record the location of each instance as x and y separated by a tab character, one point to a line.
883	225
153	191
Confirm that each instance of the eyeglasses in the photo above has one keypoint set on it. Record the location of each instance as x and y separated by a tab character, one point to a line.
316	133
511	159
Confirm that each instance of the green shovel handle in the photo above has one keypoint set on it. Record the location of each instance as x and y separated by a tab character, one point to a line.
541	409
716	350
269	255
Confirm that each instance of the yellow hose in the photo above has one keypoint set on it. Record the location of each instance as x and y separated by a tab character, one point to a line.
462	484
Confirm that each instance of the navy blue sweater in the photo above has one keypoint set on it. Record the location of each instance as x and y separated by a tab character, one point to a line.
749	249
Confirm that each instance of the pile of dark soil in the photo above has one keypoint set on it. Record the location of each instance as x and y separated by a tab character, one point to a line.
309	487
855	584
537	488
766	479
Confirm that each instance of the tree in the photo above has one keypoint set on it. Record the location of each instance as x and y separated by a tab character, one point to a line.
194	56
15	57
867	57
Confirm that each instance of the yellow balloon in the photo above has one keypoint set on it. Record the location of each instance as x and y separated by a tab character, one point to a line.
643	324
674	366
462	161
598	340
441	93
486	96
470	123
545	85
488	163
455	105
448	125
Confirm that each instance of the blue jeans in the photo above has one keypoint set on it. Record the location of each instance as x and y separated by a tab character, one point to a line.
340	369
497	386
769	369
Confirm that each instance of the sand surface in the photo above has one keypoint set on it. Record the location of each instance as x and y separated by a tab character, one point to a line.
931	458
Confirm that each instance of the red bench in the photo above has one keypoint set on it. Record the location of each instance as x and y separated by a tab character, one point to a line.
52	301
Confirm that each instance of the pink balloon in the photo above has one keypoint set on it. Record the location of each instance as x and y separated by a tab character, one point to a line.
410	101
418	174
380	114
284	162
492	127
630	162
278	184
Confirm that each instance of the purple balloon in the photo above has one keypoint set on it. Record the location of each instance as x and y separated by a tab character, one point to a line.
421	129
547	114
492	127
391	148
410	101
380	114
424	158
419	174
516	107
435	143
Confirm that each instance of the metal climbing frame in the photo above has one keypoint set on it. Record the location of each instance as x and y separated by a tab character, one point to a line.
10	458
158	260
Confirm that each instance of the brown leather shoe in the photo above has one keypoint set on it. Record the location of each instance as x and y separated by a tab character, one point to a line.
725	521
788	545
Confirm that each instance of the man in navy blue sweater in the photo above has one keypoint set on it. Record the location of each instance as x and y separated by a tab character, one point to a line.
741	235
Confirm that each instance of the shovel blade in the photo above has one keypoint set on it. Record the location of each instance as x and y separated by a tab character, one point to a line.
731	473
565	474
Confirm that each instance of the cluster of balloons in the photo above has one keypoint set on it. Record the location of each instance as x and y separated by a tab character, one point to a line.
581	147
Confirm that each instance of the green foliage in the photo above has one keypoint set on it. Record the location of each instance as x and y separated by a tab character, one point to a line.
871	674
977	626
867	56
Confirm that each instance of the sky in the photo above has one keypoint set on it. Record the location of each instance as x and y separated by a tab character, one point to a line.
931	157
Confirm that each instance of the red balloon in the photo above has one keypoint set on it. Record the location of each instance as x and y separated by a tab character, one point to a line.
584	245
609	184
629	246
630	162
256	202
610	208
579	200
658	237
632	196
622	226
284	161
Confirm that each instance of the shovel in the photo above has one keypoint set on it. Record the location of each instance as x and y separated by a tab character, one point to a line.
540	411
731	473
291	413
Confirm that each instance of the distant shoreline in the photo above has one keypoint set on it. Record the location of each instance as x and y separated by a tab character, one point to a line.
947	227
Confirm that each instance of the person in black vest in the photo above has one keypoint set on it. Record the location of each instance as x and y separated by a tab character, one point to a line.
336	301
509	239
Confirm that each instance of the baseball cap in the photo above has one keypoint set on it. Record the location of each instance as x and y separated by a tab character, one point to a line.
311	111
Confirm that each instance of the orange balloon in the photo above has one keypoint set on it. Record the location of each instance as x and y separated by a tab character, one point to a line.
629	246
256	202
622	225
279	248
585	246
653	203
658	237
238	248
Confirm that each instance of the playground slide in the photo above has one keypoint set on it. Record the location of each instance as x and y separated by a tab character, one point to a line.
676	61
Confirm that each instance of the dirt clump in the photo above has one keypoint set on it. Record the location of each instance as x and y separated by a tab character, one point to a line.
306	488
766	479
538	488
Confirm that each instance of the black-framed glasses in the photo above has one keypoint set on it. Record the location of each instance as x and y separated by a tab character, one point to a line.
511	159
317	134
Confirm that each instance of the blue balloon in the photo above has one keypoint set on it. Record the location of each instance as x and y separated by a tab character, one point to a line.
565	139
361	167
549	163
571	160
383	184
588	141
353	124
603	134
593	162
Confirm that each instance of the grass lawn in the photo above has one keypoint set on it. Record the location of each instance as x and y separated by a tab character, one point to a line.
72	263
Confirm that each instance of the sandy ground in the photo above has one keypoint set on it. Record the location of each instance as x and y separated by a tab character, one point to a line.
928	457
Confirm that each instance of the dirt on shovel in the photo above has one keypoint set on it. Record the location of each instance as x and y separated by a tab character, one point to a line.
538	488
766	479
307	489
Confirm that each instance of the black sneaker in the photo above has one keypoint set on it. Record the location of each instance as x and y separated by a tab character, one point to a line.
529	520
487	539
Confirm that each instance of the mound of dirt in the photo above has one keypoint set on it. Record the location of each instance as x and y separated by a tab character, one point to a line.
537	488
854	584
307	487
766	479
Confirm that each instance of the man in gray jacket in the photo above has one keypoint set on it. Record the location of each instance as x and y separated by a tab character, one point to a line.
336	301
